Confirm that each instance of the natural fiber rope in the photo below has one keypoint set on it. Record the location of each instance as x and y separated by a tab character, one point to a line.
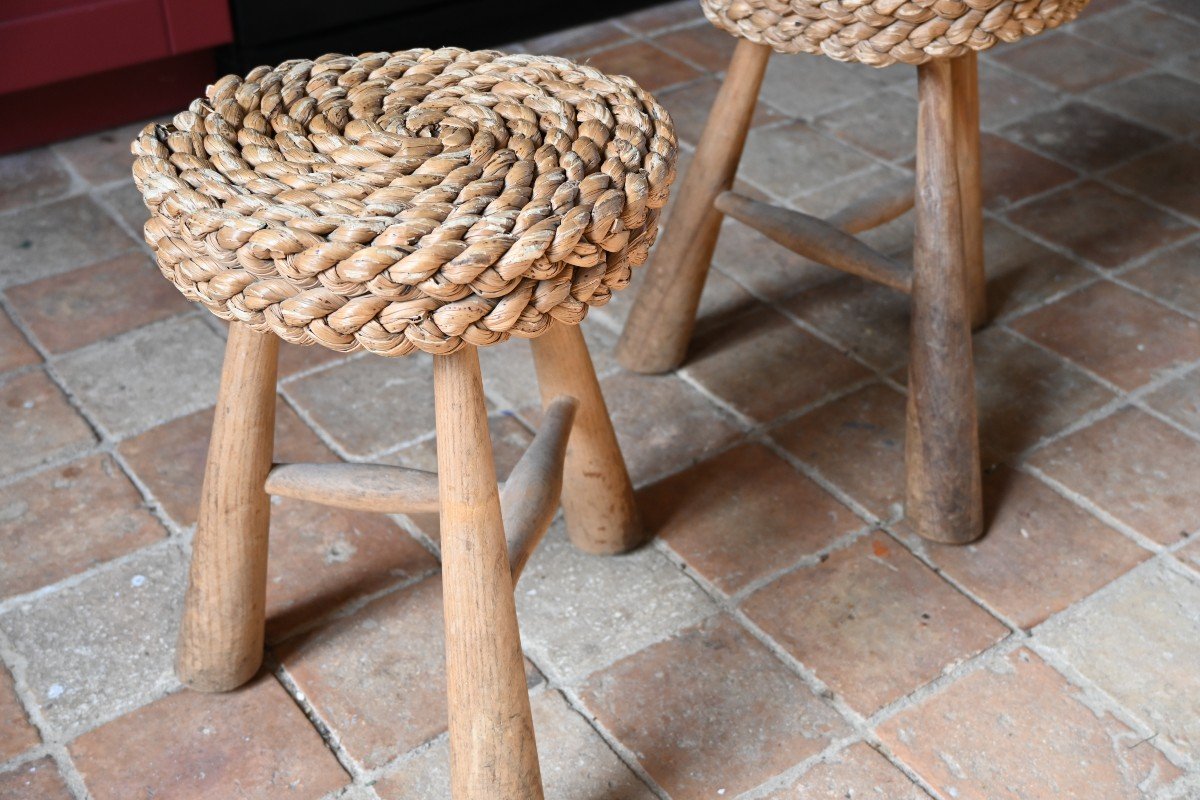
882	32
423	199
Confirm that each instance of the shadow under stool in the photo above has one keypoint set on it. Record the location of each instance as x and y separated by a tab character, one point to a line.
423	200
947	284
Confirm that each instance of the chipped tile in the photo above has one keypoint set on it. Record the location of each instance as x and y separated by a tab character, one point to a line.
1052	739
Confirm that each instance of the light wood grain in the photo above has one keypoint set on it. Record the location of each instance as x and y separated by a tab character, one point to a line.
660	323
382	488
815	239
531	494
964	73
597	496
493	752
221	636
942	448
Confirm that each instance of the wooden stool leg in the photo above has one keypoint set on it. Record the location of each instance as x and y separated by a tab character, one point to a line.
597	494
942	447
661	321
493	755
221	637
964	73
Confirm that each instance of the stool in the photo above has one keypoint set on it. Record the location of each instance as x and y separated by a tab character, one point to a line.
947	282
424	200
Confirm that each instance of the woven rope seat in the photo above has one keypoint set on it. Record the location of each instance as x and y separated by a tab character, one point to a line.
882	32
416	200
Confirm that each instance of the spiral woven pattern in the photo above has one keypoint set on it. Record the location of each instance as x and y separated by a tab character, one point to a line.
882	32
417	200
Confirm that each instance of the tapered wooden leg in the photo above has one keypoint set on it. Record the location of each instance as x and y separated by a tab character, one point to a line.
597	494
942	447
493	755
964	73
221	637
660	324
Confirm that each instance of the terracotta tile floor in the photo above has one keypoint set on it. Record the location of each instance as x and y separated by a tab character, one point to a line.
786	635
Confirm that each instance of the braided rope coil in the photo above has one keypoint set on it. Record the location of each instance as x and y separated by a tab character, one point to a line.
417	200
882	32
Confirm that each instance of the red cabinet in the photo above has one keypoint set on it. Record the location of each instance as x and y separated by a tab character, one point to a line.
67	66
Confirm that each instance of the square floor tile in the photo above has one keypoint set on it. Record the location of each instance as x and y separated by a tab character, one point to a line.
64	520
104	646
804	87
72	310
1021	272
858	771
34	780
1159	100
254	743
1168	176
883	124
764	349
743	515
581	612
15	349
377	678
369	405
573	42
1116	334
1172	276
1180	400
102	157
691	103
1099	224
58	237
702	44
663	424
872	621
126	202
32	176
1083	136
1054	742
1070	63
869	321
576	764
1025	394
1134	467
1006	97
1142	32
19	733
147	376
1140	641
1010	173
857	442
40	424
711	712
1040	552
169	459
790	159
323	557
652	67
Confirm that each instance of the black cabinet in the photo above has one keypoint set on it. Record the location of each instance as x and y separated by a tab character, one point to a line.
270	31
